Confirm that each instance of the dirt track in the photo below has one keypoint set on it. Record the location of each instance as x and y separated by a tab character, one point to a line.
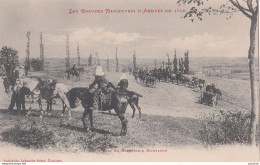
169	99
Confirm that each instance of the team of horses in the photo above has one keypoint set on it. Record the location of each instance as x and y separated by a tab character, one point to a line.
152	76
37	90
210	96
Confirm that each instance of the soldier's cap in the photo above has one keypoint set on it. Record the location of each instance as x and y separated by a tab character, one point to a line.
99	71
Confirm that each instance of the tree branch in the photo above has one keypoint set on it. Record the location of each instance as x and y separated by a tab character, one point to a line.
241	9
242	6
250	6
256	8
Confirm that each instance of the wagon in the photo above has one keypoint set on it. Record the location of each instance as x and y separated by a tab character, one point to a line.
208	98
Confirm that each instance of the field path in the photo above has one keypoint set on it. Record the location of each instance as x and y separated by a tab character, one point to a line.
167	99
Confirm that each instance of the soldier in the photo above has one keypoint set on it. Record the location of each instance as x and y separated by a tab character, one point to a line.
51	84
15	78
73	69
123	84
99	85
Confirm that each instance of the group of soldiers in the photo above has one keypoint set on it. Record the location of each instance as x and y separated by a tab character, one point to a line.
100	85
154	75
10	74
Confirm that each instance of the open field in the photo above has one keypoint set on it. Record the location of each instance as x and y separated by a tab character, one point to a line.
171	116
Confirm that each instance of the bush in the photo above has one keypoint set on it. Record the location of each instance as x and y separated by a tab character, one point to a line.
32	134
37	64
9	59
97	143
226	128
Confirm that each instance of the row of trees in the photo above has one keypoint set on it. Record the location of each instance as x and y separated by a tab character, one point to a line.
67	59
9	58
184	64
36	63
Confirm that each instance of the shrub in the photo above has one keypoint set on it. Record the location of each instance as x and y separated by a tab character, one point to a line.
97	144
37	64
226	128
32	134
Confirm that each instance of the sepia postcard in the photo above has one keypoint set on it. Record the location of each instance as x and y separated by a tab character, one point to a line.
129	81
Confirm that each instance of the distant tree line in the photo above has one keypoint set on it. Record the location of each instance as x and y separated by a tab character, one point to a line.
184	64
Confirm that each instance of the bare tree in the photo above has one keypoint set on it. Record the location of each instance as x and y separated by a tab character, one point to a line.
117	68
78	52
90	60
248	8
108	68
41	52
169	61
68	52
27	60
97	57
134	60
186	63
175	62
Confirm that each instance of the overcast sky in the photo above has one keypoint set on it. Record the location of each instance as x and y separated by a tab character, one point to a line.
150	35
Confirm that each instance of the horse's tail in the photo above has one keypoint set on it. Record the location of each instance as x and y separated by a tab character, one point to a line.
138	94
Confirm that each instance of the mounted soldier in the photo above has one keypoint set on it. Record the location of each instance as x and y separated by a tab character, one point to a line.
210	87
99	85
73	69
123	84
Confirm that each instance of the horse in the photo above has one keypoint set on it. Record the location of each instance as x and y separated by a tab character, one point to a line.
133	99
75	72
178	77
60	91
119	102
185	80
34	89
172	77
150	80
218	93
136	76
201	81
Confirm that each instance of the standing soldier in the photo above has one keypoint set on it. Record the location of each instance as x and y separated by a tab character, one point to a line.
17	76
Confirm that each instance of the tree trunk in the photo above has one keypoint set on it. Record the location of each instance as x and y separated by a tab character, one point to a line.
251	54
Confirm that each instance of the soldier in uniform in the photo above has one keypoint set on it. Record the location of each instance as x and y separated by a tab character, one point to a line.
123	84
99	85
73	69
15	78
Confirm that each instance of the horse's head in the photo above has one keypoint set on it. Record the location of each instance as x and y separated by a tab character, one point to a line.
35	87
39	85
